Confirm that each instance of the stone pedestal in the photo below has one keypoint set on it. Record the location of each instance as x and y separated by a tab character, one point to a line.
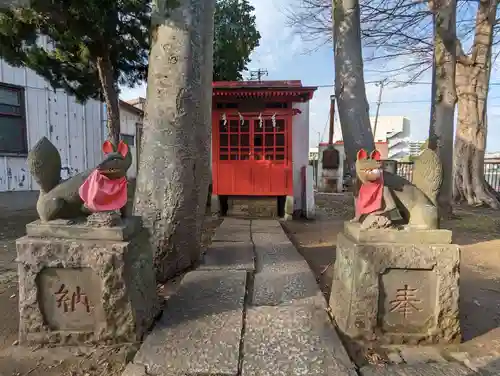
253	207
214	204
396	286
79	284
289	208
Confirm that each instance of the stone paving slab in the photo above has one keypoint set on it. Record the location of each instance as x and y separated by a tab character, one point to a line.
236	221
200	330
265	223
297	282
266	229
283	276
277	236
233	230
266	226
274	251
229	255
231	236
293	340
430	369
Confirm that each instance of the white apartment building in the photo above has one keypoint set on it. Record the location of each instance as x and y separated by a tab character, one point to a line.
396	131
393	129
415	147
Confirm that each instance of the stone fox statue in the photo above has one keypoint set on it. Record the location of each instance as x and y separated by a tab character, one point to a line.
386	199
100	189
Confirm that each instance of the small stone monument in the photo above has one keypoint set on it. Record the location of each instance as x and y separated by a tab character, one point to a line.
86	279
396	274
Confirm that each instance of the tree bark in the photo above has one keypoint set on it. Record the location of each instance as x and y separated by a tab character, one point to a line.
472	82
203	168
444	95
110	92
349	80
167	195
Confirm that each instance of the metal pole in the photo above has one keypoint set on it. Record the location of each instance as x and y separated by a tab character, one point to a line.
379	102
317	161
332	117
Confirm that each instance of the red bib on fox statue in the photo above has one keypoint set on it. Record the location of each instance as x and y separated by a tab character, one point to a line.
371	192
101	193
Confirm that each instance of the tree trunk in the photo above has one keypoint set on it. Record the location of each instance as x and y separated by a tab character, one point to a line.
349	80
167	195
203	168
444	96
472	82
110	93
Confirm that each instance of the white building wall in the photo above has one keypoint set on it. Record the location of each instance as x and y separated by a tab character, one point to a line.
300	152
128	126
75	129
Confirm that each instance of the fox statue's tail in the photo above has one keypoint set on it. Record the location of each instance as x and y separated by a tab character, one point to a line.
44	164
428	174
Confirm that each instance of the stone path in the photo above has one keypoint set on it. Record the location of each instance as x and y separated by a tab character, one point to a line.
253	309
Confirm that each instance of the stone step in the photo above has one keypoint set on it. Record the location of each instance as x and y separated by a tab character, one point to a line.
267	226
199	332
254	207
233	230
229	256
236	222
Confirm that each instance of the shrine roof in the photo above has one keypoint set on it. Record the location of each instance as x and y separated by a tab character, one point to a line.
262	89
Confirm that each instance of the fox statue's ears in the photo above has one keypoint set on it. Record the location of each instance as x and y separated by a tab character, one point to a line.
362	154
123	149
107	148
375	155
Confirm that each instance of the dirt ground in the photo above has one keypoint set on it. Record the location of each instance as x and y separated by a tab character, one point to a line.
476	230
20	361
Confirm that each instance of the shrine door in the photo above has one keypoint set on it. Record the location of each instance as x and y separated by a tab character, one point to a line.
254	156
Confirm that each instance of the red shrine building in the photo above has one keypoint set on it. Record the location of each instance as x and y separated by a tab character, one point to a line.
260	145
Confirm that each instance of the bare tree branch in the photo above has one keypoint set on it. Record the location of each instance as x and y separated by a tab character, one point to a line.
391	29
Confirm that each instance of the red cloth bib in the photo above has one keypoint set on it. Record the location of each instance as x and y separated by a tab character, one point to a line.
99	193
370	197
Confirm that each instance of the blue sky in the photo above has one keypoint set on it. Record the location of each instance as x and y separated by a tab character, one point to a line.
285	56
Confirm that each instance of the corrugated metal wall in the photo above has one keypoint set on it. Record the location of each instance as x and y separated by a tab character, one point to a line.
75	129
